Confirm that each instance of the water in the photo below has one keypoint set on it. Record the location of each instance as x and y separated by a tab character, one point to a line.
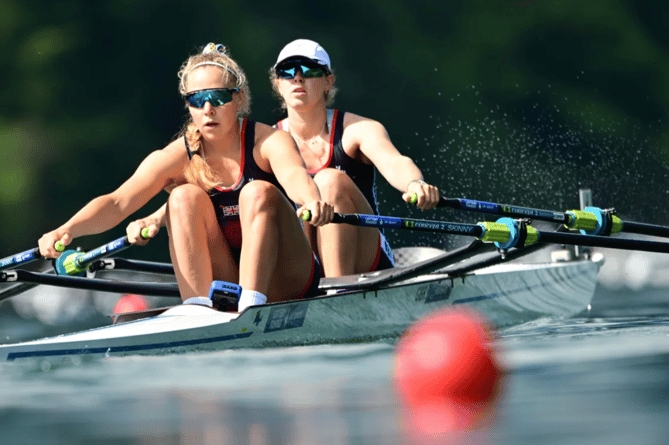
601	377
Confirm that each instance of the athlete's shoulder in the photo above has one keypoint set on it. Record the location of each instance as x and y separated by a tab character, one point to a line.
352	118
268	133
354	123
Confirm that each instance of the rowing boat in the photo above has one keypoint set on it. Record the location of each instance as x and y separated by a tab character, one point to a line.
356	308
375	308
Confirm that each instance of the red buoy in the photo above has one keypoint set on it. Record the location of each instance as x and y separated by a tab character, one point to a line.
130	303
446	373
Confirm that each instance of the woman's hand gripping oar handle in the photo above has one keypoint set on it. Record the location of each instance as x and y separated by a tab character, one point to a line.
72	262
337	218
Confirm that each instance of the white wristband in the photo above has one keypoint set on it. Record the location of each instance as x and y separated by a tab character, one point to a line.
250	298
419	181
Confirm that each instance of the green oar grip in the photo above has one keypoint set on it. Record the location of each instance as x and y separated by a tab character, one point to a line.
532	236
617	224
70	264
594	221
59	246
413	199
145	233
494	232
507	233
581	220
306	215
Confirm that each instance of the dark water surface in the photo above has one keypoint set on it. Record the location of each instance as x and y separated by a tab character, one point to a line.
599	378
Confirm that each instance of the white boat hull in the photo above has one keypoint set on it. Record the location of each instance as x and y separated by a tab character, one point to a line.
506	295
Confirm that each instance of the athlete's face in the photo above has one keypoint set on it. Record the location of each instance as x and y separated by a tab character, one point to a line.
300	91
218	107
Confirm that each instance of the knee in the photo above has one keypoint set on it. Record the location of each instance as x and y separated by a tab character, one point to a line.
185	196
186	200
334	185
259	197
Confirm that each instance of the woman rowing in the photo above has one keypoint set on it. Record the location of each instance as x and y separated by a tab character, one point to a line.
227	215
341	151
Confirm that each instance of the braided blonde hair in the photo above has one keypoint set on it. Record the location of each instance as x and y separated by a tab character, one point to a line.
197	171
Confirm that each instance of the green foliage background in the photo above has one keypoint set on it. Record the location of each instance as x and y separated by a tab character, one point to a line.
519	102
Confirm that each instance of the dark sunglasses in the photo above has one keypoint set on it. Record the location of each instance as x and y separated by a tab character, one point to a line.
309	70
216	97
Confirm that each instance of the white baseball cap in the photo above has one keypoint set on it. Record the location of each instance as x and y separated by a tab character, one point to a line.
304	48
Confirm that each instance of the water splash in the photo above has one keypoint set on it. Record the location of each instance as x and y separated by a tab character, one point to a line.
537	152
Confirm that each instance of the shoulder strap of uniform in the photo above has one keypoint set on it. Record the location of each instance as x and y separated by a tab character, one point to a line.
249	135
188	152
335	121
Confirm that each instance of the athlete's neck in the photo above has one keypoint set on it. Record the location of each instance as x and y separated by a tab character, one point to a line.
308	124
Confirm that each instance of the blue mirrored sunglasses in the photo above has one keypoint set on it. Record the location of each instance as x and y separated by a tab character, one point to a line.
308	70
216	97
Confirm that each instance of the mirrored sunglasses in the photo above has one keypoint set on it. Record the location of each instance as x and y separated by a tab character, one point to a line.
216	97
308	70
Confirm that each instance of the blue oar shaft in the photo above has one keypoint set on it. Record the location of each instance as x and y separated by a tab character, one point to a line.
20	258
591	221
409	224
83	260
75	263
504	210
506	233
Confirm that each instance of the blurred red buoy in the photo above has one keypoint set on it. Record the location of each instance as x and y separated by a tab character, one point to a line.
130	303
446	374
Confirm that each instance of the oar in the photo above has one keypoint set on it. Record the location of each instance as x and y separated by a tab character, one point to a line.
34	254
590	221
20	258
132	265
397	274
76	282
505	233
72	262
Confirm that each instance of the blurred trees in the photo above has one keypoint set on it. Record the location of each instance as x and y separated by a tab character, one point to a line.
520	101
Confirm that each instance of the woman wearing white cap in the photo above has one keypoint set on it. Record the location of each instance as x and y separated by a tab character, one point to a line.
341	151
227	215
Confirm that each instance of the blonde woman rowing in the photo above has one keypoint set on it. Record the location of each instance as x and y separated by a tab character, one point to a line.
228	215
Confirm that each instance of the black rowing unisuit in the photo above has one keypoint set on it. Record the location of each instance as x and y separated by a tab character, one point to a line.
226	200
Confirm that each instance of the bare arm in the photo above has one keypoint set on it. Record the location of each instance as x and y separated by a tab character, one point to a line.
105	212
399	170
280	150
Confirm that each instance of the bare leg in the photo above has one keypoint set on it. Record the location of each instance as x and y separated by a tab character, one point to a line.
345	249
276	256
198	249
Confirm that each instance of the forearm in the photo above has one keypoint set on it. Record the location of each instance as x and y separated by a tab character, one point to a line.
301	189
401	173
99	215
